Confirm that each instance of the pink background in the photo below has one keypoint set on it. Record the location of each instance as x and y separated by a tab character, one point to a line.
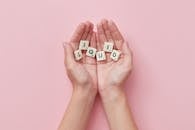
34	89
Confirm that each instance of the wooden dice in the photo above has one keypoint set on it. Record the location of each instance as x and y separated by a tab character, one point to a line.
84	44
100	56
115	55
92	52
108	46
78	54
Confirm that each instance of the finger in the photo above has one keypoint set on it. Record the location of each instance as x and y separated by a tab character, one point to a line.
88	38
106	30
68	54
91	60
76	37
106	36
90	33
87	29
127	53
116	35
99	45
99	48
101	34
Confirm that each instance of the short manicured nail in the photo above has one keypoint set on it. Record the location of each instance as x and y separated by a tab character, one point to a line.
111	22
82	25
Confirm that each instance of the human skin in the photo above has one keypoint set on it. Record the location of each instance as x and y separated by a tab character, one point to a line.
83	75
112	76
90	77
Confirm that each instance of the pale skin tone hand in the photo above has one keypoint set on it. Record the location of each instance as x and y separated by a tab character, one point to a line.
83	75
111	78
111	73
106	77
82	72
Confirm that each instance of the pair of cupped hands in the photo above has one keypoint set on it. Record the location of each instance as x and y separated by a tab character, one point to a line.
90	76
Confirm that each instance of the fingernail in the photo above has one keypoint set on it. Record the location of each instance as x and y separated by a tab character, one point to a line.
82	25
111	21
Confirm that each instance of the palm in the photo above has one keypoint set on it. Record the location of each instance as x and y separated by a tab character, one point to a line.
89	71
82	72
111	73
114	73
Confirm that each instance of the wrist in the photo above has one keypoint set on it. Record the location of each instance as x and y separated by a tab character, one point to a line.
87	91
112	94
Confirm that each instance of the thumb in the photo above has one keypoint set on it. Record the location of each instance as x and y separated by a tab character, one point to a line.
68	53
127	51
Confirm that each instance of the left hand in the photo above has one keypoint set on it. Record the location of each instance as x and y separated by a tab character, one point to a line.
112	74
82	73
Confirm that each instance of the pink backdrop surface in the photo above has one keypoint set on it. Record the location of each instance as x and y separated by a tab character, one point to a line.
34	89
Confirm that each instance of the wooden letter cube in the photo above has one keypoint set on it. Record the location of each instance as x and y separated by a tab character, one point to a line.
115	55
108	46
91	51
83	45
100	55
78	54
